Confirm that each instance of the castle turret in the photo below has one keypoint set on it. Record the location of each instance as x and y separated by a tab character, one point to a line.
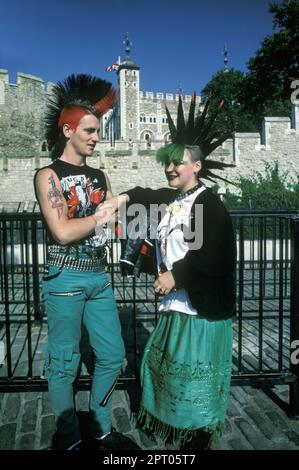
129	86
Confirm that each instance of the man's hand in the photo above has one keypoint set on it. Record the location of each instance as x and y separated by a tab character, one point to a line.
105	213
117	201
165	283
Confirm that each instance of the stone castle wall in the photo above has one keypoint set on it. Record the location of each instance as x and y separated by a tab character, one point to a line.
21	138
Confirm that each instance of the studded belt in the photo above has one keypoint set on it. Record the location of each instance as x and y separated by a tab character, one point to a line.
76	263
92	252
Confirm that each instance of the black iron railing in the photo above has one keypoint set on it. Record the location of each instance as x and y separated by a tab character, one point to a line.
266	323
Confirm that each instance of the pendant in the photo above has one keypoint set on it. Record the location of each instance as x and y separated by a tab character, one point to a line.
175	207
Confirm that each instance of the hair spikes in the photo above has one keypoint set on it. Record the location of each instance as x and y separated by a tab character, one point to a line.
197	132
211	144
190	122
199	121
206	173
107	102
213	118
181	125
216	165
87	92
171	125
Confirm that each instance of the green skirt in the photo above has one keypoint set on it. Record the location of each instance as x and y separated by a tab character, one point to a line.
185	377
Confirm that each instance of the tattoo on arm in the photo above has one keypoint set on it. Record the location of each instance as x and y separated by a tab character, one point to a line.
55	197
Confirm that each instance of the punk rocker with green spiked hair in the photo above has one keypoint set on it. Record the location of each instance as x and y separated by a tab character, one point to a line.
198	136
185	371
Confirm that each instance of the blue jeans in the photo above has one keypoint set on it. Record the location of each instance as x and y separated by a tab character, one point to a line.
71	298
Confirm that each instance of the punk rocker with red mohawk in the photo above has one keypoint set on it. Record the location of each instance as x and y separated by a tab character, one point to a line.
76	289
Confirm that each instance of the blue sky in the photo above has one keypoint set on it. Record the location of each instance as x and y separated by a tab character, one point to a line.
172	40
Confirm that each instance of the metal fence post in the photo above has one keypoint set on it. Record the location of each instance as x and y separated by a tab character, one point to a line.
38	313
294	332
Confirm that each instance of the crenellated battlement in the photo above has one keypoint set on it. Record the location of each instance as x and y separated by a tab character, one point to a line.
26	82
159	96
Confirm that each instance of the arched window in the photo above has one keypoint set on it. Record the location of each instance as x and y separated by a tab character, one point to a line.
44	147
146	135
167	138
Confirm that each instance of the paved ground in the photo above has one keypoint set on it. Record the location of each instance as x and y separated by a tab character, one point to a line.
254	421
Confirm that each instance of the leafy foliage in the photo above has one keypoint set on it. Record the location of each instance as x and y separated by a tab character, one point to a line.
228	85
265	90
262	192
275	65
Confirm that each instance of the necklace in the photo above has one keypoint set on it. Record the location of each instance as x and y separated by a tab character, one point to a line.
176	206
187	193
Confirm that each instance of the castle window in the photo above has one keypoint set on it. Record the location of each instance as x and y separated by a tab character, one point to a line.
167	138
151	119
131	125
44	147
142	118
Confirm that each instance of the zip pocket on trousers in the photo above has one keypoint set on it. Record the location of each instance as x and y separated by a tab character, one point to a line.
105	286
66	294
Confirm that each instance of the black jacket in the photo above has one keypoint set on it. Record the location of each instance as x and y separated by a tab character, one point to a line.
208	273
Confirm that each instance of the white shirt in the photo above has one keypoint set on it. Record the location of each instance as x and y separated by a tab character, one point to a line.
171	247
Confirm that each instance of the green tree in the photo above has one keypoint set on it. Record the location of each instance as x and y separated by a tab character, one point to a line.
228	85
266	89
267	85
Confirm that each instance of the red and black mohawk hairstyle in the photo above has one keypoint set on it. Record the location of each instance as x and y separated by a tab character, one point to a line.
70	100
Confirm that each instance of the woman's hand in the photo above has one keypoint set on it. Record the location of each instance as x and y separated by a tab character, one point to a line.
165	283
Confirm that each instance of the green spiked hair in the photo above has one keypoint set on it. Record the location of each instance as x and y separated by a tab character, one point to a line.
197	134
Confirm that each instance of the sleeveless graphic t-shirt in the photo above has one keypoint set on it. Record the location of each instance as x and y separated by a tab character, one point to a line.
84	188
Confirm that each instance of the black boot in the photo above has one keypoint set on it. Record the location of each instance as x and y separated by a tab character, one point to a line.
202	441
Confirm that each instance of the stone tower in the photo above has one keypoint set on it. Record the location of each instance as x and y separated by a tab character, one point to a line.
129	87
